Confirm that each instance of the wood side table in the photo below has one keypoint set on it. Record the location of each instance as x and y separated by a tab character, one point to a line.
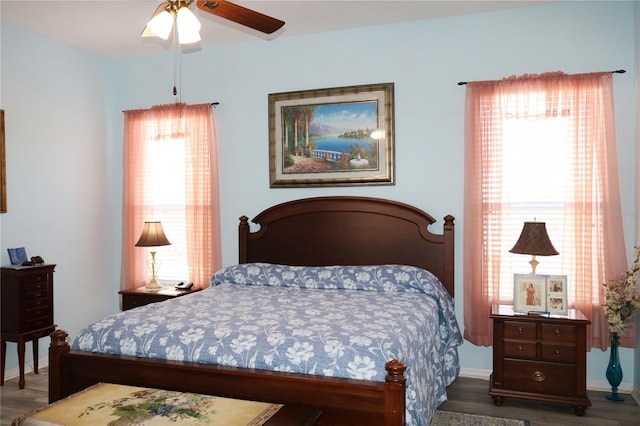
141	296
540	357
26	299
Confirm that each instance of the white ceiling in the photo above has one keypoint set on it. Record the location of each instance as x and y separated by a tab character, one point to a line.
112	28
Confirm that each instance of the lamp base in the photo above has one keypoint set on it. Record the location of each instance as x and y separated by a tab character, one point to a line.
153	286
534	263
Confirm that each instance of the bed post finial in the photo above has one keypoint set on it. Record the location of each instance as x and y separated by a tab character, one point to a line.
243	234
57	349
449	254
394	390
395	371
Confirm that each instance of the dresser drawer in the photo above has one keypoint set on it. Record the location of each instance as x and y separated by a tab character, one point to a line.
518	349
558	333
558	353
36	294
519	330
35	282
38	323
36	287
539	377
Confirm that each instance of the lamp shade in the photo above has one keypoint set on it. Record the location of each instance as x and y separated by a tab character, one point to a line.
188	26
152	236
534	240
160	25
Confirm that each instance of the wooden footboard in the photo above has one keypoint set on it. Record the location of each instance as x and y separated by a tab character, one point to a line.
342	401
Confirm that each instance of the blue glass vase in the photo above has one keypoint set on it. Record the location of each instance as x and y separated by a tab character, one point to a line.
614	370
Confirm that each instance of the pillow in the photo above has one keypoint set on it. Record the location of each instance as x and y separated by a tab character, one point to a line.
388	278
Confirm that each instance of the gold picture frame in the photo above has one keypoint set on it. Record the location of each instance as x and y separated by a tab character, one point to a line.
339	136
3	167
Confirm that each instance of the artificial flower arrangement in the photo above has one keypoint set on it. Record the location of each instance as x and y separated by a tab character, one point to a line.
622	297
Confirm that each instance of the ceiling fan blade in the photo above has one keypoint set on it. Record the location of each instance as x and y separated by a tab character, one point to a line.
241	15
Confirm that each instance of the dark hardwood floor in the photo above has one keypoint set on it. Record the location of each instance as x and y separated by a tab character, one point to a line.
465	395
470	396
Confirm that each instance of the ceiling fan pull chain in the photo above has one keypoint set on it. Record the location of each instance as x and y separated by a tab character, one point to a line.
175	60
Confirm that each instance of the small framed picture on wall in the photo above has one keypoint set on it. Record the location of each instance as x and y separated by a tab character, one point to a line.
529	293
557	294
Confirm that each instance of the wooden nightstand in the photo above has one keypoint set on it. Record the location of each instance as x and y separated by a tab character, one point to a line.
540	357
141	296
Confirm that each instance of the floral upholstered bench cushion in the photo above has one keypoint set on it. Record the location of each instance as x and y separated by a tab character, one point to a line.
120	405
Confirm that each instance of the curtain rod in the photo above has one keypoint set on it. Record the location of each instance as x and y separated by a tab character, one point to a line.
214	104
462	83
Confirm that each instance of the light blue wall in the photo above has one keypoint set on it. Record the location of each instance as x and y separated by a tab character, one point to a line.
424	59
59	172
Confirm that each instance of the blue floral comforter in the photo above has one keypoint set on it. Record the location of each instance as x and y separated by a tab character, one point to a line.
343	321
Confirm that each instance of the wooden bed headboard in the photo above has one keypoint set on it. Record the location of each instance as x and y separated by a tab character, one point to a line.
345	230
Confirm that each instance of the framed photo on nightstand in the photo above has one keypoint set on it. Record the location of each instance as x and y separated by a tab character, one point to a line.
557	294
529	293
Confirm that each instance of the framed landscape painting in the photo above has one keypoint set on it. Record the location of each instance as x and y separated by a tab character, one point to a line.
332	137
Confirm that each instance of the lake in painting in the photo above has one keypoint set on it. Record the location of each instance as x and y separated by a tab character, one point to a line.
334	143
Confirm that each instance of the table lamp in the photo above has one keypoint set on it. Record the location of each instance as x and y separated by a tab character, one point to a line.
152	236
535	241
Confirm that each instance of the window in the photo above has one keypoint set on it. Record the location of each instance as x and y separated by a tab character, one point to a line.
171	176
537	162
540	148
164	194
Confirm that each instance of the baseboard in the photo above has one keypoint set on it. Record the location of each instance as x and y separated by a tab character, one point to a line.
14	373
594	385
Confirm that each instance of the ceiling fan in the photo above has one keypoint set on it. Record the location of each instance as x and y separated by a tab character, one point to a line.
188	26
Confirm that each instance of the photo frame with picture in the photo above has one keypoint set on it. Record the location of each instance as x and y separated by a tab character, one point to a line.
529	293
557	294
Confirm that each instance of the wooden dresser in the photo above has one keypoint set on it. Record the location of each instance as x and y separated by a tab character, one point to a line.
27	311
539	357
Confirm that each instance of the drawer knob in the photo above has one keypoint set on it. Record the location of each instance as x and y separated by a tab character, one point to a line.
520	330
538	376
519	348
557	352
557	332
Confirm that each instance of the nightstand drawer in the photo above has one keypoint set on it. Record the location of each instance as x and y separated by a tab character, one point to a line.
539	377
141	296
559	353
517	349
520	330
131	302
558	333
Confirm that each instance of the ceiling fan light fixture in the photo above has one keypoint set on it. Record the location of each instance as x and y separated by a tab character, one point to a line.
160	25
188	37
188	26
